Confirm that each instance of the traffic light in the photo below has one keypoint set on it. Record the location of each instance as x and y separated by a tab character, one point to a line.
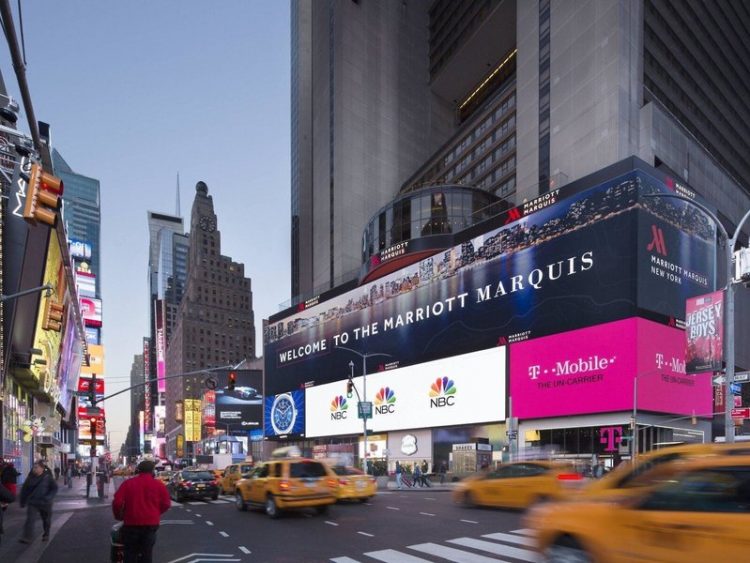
43	194
349	388
232	380
53	315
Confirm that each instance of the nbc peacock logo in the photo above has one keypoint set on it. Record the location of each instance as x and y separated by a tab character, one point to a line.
442	393
385	401
339	408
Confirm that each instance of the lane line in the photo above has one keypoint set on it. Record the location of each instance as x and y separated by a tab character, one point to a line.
366	534
510	538
456	555
245	550
469	521
426	514
498	549
331	523
392	508
429	498
393	556
209	522
198	515
344	560
224	534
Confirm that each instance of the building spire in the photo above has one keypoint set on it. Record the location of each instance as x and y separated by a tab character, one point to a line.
178	214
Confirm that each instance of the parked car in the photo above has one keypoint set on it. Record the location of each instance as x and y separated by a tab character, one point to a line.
193	484
286	484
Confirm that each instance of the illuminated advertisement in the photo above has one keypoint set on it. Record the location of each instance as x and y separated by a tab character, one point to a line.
91	310
591	370
242	407
284	414
160	414
96	361
192	420
79	249
704	332
142	428
84	385
146	378
588	259
92	335
209	408
463	389
161	349
71	356
86	284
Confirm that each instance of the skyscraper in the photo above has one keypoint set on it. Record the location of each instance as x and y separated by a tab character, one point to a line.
215	322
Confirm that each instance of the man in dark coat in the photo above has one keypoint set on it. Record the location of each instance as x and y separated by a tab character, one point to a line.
38	492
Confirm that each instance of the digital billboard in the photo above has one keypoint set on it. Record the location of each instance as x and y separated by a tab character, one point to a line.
92	335
147	411
91	310
161	346
96	361
583	261
284	414
242	407
86	284
79	249
209	408
192	422
704	332
462	389
591	370
71	355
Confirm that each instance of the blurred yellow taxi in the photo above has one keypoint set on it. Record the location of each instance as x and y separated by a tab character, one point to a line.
517	485
354	484
231	475
284	484
702	513
164	476
653	468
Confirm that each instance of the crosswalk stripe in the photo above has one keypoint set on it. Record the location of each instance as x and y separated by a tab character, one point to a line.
344	560
497	549
524	531
456	555
219	501
510	538
393	556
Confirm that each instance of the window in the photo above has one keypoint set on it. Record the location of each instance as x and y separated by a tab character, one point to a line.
306	469
709	490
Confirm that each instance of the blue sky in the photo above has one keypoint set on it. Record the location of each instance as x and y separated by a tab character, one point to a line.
138	91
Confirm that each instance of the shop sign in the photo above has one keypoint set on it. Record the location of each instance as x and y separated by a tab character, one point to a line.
409	444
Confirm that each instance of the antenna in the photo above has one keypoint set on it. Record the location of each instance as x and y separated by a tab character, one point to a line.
178	214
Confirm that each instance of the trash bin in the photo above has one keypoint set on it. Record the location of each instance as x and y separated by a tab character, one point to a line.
117	549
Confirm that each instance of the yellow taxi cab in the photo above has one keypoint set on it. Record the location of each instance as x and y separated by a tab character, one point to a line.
702	513
231	474
517	485
653	468
164	476
354	484
284	484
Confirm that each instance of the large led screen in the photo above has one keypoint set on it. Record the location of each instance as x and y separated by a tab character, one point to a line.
463	389
284	414
242	407
592	369
580	262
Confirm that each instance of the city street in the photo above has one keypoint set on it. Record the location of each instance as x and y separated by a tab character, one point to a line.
411	525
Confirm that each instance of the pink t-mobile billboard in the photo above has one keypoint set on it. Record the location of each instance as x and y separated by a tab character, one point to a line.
591	370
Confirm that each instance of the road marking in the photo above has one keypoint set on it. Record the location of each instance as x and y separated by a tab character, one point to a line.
218	501
429	498
510	538
224	534
393	556
209	522
392	508
180	505
198	515
470	521
366	534
177	522
456	555
498	549
344	560
196	502
331	523
203	555
426	514
245	550
368	504
524	531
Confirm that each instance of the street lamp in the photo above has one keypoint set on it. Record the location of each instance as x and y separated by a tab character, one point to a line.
363	399
44	287
728	313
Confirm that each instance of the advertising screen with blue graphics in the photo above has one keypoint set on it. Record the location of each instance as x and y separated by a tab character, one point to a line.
284	414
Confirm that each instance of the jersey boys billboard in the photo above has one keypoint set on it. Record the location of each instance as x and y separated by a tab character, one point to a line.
584	261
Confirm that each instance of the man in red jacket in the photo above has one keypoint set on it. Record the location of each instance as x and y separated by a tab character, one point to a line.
139	503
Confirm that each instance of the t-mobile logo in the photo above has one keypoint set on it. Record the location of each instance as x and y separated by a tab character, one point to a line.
657	241
534	371
611	436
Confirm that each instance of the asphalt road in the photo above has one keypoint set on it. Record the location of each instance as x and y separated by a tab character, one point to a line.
408	527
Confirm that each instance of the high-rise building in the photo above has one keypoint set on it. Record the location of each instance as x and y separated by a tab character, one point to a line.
215	322
136	404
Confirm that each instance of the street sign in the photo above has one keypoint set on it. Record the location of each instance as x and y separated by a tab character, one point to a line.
742	376
741	413
364	409
736	388
512	434
718	380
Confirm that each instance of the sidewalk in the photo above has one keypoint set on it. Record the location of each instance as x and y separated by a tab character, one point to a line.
435	486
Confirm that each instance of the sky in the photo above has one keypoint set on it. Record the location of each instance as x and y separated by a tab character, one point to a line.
136	92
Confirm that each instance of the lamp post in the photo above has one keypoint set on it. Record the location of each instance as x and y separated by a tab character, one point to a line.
44	287
362	399
729	309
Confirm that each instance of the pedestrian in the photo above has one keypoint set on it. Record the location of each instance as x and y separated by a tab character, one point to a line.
38	492
443	470
399	477
69	476
139	504
57	473
417	475
599	470
6	497
9	477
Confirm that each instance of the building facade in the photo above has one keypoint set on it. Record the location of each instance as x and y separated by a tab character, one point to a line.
214	327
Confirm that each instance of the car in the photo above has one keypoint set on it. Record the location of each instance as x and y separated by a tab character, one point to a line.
354	484
232	474
654	467
165	476
243	392
284	484
193	483
517	485
702	513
